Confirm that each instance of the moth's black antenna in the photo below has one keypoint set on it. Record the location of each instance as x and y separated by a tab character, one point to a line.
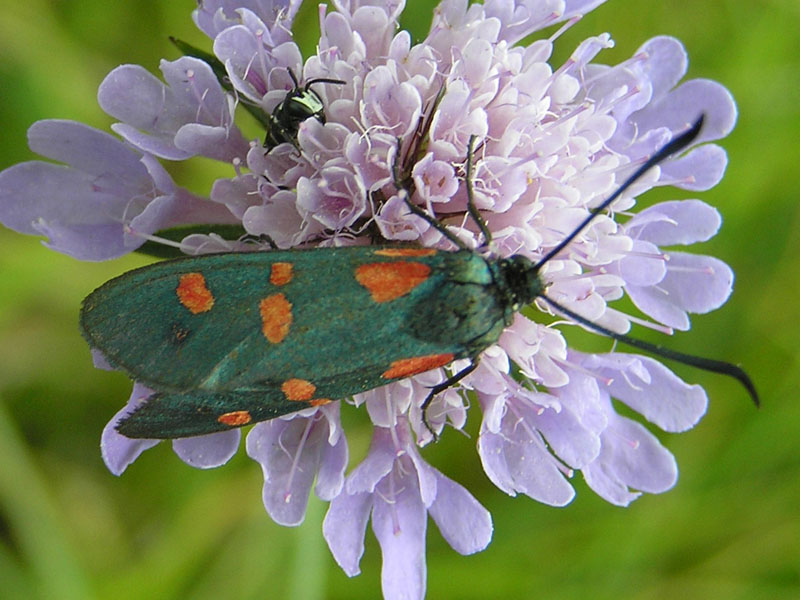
311	82
679	143
706	364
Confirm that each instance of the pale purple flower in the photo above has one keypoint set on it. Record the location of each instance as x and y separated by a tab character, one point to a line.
553	142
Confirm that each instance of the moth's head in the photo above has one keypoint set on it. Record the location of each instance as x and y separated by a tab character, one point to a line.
522	279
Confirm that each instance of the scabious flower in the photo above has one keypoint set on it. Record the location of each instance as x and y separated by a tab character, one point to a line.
554	141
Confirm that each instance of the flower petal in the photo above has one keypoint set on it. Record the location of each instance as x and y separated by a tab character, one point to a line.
684	104
290	452
377	464
675	222
344	527
693	283
399	520
333	463
463	522
516	458
697	170
632	457
117	450
649	388
208	451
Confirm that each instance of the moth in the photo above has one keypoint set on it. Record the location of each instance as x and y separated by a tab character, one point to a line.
229	339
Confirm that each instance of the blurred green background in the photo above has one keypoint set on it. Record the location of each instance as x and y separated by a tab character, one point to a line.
729	529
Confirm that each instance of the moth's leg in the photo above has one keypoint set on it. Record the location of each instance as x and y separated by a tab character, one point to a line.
440	387
408	188
471	208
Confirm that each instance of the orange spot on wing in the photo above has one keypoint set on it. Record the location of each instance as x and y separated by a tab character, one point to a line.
281	273
298	390
406	252
390	280
276	317
193	293
237	418
320	401
407	367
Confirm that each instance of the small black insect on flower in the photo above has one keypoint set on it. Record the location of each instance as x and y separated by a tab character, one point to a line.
300	103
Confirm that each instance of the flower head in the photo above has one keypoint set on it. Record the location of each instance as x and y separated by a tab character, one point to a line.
553	142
